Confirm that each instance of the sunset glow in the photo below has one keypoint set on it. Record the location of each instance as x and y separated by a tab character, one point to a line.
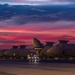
46	20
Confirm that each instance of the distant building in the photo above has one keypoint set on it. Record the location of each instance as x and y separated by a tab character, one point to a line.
22	46
69	50
2	52
37	44
18	51
63	49
14	47
46	47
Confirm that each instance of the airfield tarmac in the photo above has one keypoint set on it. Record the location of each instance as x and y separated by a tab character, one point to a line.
29	68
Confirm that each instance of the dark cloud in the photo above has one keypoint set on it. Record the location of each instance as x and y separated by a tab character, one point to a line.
36	1
13	41
65	0
7	0
22	14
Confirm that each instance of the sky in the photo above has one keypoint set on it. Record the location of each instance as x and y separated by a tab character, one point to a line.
37	1
46	20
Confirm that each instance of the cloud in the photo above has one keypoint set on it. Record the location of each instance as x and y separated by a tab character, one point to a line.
38	17
23	14
46	26
8	0
20	23
38	1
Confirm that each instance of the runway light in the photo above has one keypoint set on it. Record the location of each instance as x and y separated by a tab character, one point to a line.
14	54
56	58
